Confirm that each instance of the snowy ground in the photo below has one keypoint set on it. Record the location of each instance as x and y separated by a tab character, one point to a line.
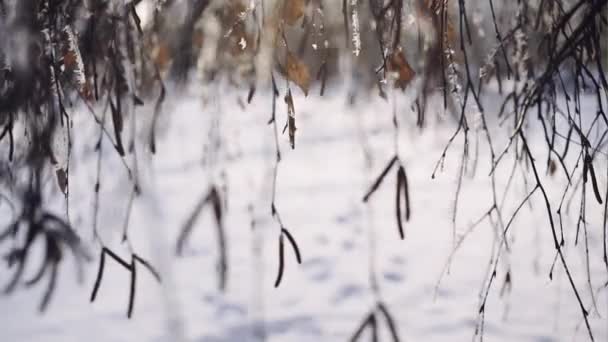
319	190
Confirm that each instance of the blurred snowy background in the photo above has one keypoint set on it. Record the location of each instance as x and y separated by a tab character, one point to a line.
319	189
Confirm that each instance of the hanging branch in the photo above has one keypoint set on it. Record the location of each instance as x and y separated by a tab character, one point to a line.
380	178
38	224
292	243
554	234
402	191
212	199
588	168
277	282
298	73
390	321
371	322
130	267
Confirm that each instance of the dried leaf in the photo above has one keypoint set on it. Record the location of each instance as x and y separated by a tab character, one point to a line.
62	180
293	10
86	91
291	119
162	56
70	60
251	93
398	63
298	73
552	167
322	75
506	285
198	39
118	125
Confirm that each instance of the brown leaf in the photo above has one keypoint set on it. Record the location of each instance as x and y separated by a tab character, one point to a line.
451	33
70	60
197	39
293	10
552	167
298	73
162	56
86	91
399	64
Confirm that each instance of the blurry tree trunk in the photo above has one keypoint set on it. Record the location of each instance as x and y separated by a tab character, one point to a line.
184	55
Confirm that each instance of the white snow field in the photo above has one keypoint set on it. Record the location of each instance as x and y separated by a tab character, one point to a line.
319	193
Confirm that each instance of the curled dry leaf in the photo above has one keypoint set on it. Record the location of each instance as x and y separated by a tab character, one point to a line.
552	167
197	39
293	10
291	118
70	60
298	73
162	56
398	63
62	180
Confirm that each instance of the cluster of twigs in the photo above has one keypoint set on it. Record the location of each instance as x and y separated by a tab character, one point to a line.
212	198
571	47
54	55
402	192
36	224
131	267
371	322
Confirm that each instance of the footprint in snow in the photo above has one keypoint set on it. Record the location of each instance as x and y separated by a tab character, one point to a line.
398	260
393	277
348	245
346	292
223	307
230	309
322	240
317	269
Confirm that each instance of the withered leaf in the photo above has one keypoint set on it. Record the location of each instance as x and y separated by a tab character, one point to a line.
162	56
62	180
298	73
197	38
291	119
118	125
70	60
293	10
322	75
398	63
86	91
552	167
